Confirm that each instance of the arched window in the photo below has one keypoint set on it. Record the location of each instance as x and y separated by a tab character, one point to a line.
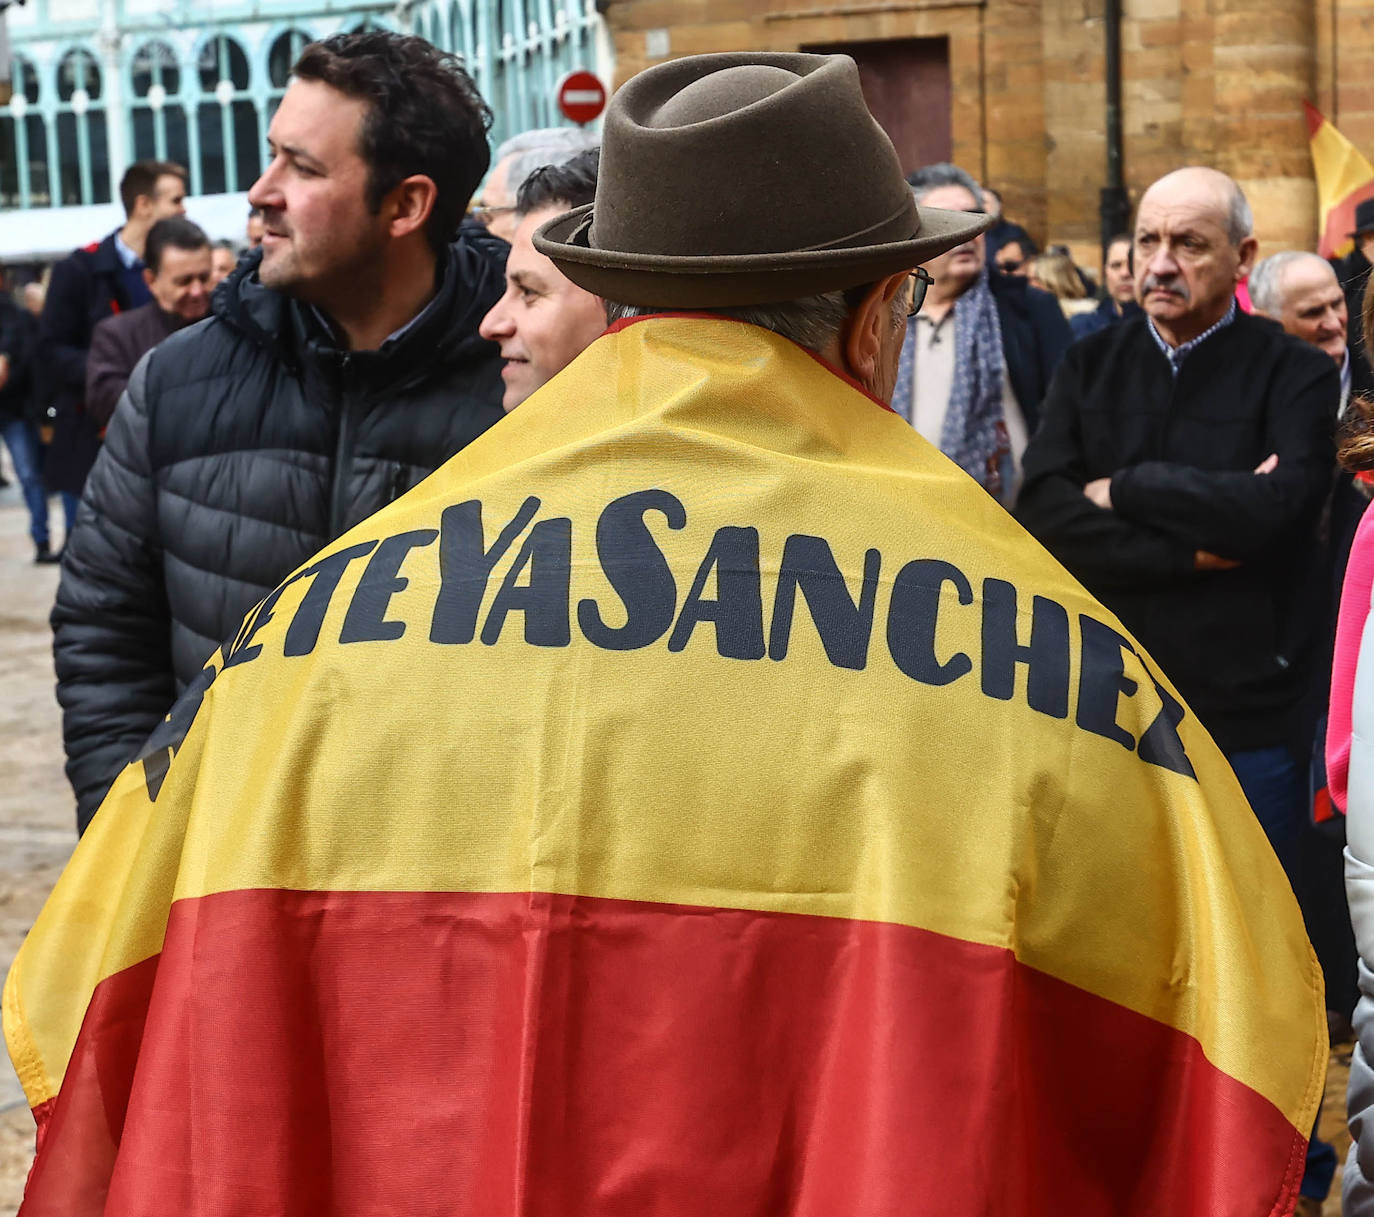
457	35
82	142
159	117
286	48
23	143
226	119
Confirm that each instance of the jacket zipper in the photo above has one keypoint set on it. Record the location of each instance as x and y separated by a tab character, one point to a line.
343	452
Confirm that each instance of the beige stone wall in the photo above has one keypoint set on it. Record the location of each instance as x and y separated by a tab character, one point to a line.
1217	82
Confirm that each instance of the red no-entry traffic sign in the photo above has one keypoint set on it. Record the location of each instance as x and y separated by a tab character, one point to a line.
581	96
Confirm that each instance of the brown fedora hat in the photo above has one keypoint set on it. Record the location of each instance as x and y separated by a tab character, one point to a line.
745	178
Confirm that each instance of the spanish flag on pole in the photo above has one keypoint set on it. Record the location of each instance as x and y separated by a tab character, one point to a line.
1344	179
698	797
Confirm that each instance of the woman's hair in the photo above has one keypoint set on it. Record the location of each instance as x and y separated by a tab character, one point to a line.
1056	270
1356	438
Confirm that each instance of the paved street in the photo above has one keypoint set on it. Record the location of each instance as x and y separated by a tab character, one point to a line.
37	820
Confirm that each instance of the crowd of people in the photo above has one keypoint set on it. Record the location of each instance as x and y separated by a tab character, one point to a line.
252	447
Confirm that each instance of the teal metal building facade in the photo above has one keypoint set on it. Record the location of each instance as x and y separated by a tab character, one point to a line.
101	83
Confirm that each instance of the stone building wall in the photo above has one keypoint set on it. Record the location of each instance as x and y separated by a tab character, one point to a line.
1217	82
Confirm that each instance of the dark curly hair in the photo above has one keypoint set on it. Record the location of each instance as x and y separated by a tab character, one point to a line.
425	116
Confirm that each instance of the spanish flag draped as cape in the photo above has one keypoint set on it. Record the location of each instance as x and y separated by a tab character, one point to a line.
698	797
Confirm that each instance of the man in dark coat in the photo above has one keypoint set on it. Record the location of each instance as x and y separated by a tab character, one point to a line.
177	271
341	365
18	351
1180	471
103	278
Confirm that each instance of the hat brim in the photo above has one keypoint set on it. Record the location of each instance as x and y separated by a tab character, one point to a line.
726	280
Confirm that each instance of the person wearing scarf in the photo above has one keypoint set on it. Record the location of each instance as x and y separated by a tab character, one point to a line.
979	356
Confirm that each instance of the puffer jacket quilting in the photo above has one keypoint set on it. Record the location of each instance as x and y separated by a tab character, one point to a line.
242	445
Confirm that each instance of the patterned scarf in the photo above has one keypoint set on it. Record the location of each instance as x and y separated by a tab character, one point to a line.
974	435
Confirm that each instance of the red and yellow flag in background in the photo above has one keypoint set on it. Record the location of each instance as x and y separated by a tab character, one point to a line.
1345	178
697	798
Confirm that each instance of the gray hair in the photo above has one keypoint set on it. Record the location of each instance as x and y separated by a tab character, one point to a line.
1266	280
542	146
932	177
1240	220
811	322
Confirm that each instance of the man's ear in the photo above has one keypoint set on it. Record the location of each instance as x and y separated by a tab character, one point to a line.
1248	248
862	342
148	276
412	202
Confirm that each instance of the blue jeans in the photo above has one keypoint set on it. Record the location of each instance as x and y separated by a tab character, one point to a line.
1276	785
70	502
21	438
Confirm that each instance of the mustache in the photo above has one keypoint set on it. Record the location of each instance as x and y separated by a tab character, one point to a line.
1173	284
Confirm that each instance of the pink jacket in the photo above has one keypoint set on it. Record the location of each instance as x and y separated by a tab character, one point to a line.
1355	595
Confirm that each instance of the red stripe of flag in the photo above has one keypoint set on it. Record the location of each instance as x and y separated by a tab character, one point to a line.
410	1053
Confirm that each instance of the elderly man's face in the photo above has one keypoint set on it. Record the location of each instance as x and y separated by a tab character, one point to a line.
956	269
1314	306
1186	267
544	321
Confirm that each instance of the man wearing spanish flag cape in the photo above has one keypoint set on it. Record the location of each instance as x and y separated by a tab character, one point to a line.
698	797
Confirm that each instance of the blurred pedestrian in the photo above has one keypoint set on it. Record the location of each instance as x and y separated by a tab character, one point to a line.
1055	271
1014	259
516	159
1004	233
979	355
544	320
1118	291
341	366
93	283
18	356
178	271
649	816
255	228
34	295
1353	273
224	256
1301	292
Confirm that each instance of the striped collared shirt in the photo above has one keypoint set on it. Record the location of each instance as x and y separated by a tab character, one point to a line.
1176	355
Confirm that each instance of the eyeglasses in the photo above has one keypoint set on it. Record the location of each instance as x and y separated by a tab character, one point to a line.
487	214
1009	266
920	280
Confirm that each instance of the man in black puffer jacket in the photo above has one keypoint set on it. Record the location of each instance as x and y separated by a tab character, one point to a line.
341	365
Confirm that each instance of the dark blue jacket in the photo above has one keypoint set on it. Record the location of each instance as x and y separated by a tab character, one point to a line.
1101	317
1034	339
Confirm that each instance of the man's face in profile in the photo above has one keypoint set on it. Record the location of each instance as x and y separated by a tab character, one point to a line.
544	320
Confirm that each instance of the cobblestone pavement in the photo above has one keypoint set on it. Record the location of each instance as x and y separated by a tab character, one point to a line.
37	819
37	816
